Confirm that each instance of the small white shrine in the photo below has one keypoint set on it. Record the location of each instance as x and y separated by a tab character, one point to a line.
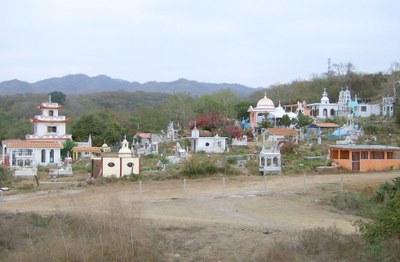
388	106
215	144
116	165
270	158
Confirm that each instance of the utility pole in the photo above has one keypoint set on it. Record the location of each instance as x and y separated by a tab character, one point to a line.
329	68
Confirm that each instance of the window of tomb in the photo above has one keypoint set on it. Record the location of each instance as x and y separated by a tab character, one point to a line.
130	164
207	144
51	113
268	161
363	108
111	164
344	154
334	154
51	129
396	155
52	156
275	161
389	155
377	155
27	162
364	154
43	156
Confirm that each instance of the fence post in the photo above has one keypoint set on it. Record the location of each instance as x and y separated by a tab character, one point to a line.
305	184
223	186
341	183
265	182
184	187
140	189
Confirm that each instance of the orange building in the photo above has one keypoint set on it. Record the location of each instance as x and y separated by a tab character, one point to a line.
365	157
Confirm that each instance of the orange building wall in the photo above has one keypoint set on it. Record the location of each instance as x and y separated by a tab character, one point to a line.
368	164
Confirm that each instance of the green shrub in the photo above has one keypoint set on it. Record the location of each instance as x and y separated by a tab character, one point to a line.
388	190
385	223
355	203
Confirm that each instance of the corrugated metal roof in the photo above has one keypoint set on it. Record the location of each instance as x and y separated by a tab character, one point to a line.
366	147
325	125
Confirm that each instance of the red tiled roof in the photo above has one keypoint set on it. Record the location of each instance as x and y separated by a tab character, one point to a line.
36	120
144	135
87	149
32	144
282	131
326	125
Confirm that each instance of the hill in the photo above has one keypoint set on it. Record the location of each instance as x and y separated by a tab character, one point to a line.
81	84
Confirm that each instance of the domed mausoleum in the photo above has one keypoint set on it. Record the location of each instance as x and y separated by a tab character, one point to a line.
257	114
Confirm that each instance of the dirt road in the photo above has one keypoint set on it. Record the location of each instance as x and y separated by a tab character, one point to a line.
213	218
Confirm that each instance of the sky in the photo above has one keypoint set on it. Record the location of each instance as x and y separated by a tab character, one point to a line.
256	43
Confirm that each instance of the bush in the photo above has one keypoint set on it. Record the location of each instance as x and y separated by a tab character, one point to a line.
388	190
355	203
318	244
194	168
385	224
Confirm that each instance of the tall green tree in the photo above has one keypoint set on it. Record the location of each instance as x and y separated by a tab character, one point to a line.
303	121
86	125
58	97
285	121
68	145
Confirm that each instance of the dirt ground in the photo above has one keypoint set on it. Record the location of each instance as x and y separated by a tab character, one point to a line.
213	219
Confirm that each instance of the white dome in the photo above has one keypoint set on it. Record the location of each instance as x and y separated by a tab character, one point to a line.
265	102
324	99
125	147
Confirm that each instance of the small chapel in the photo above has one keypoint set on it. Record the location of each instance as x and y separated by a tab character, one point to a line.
266	110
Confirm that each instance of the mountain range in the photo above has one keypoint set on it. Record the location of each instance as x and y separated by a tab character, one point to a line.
81	83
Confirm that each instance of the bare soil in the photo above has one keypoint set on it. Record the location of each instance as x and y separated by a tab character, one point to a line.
207	219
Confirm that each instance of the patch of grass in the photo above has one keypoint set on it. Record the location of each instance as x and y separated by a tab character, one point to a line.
111	236
355	203
328	244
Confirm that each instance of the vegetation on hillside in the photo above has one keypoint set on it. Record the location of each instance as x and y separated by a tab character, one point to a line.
110	115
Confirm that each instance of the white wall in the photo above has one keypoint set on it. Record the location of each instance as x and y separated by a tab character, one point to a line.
121	166
374	109
210	144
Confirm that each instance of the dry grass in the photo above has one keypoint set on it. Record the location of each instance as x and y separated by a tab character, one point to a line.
110	236
329	244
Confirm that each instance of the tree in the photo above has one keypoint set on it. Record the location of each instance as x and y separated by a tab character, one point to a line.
207	105
285	121
303	120
68	145
89	124
211	122
241	109
57	97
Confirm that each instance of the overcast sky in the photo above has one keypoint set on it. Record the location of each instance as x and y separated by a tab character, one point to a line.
255	43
